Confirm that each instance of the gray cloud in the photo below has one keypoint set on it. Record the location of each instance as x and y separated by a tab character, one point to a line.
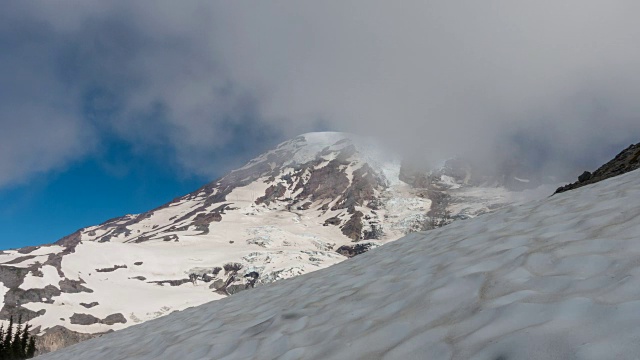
555	83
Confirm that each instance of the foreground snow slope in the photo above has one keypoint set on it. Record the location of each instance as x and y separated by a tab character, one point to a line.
553	279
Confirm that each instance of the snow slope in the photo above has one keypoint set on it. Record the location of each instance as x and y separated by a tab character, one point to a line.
552	279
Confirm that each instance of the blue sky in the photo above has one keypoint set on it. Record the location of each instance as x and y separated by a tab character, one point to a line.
88	192
115	107
51	206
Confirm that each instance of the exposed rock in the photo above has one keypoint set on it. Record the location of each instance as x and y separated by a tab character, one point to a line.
232	268
70	241
121	229
218	284
37	272
73	286
362	190
353	227
114	268
252	274
55	259
335	221
105	238
141	278
137	263
28	249
272	193
90	305
236	288
141	238
305	206
83	319
625	161
15	311
14	298
87	319
58	337
374	234
170	237
114	319
11	276
206	219
438	215
584	177
19	259
325	183
203	217
355	249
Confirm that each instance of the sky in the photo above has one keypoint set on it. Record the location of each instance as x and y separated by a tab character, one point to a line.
115	107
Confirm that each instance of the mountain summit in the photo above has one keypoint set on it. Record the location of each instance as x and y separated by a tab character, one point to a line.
311	202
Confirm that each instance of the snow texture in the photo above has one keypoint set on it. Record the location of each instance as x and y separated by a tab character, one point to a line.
551	279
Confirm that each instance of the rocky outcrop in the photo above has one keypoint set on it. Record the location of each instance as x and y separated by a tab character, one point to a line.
272	193
87	319
15	297
73	286
171	237
627	160
113	268
335	221
202	221
114	319
58	337
83	319
206	219
70	241
438	215
356	249
325	183
90	305
234	282
19	259
353	227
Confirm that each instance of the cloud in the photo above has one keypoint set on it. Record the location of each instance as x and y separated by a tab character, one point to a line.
554	83
446	77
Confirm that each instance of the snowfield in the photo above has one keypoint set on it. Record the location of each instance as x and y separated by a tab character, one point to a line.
552	279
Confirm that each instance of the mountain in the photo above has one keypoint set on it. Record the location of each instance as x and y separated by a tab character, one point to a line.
551	279
311	202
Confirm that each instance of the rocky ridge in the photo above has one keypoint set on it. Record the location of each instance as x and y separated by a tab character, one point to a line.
626	161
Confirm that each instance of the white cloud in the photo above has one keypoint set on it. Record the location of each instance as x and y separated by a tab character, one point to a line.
433	77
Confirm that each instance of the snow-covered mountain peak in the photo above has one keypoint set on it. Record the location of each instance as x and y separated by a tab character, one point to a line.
309	203
552	279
